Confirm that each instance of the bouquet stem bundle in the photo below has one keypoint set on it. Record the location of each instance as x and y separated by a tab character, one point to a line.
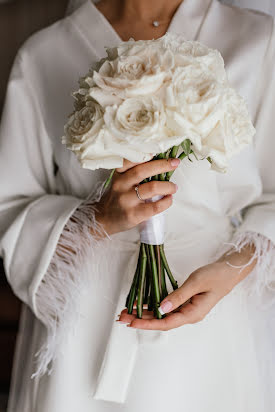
149	281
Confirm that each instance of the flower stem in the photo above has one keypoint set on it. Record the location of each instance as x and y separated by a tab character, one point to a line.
162	176
155	285
182	156
150	278
108	180
169	273
147	284
173	153
133	290
163	283
159	263
141	282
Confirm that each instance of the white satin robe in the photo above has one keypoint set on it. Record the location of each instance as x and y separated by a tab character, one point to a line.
224	362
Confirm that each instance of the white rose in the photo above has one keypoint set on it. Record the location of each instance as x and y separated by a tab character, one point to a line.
137	129
94	154
193	103
139	74
193	52
144	47
232	132
217	123
83	124
152	95
208	112
84	135
189	85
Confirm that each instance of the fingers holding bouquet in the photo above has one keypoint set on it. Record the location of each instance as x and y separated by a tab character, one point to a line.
121	209
191	302
138	172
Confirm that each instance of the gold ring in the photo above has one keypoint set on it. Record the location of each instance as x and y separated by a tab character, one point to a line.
138	195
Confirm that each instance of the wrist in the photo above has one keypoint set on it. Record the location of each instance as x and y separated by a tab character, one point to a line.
101	224
102	219
240	263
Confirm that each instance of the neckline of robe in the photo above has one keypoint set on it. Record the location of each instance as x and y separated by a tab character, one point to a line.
99	32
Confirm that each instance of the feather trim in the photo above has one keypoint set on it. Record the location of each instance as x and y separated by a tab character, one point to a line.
62	286
260	283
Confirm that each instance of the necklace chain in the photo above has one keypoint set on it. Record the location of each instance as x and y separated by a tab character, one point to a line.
156	22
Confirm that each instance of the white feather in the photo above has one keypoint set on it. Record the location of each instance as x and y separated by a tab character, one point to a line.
62	286
260	283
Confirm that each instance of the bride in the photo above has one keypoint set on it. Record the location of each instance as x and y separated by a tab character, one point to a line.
70	250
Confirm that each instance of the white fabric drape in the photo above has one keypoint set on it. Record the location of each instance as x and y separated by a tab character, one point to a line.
266	6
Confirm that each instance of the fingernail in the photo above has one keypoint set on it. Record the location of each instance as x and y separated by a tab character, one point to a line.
175	162
121	321
165	307
176	187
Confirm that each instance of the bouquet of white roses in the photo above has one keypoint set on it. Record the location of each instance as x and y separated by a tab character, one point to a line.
156	98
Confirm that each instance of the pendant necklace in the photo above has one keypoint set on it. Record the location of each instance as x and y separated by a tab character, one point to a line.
156	23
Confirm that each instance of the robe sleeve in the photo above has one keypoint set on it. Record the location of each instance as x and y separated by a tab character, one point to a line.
258	219
36	223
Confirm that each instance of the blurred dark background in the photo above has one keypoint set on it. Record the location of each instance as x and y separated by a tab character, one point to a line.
18	20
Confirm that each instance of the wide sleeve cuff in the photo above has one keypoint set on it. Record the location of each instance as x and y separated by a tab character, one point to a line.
57	295
259	285
260	219
29	242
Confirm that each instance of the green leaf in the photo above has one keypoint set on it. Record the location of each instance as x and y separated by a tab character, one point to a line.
196	157
186	145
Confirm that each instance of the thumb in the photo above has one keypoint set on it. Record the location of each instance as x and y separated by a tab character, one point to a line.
179	296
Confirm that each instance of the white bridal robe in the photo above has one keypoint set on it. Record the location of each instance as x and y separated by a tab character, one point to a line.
71	355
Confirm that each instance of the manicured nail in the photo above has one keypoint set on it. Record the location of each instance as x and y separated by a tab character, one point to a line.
176	187
175	162
165	307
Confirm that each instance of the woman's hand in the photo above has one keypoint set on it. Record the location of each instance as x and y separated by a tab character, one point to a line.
203	289
120	209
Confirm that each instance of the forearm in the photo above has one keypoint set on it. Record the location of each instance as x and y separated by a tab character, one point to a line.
241	262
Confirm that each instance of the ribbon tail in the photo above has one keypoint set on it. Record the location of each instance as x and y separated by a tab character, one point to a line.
121	350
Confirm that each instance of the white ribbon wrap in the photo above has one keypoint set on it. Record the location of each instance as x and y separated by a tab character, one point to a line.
152	230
